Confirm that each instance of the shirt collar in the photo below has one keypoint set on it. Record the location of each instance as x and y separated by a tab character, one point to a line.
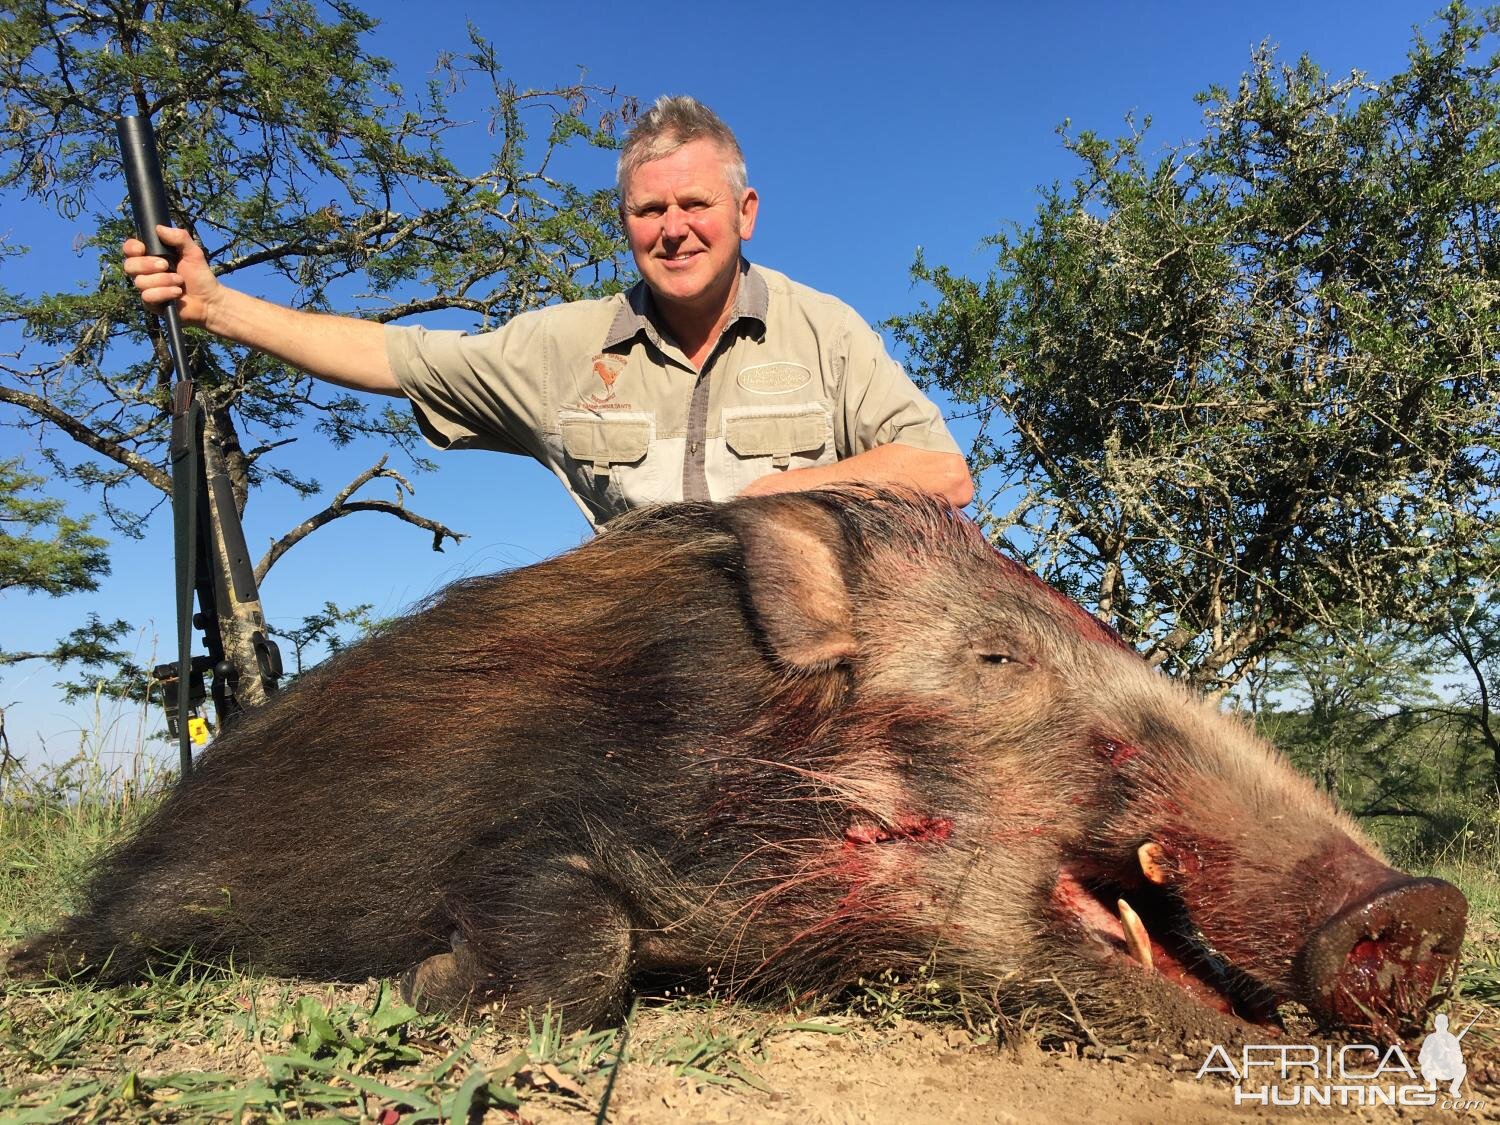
636	311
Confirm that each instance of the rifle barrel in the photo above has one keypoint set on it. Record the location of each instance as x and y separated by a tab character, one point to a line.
148	204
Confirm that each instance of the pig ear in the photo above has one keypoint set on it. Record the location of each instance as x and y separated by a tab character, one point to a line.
794	575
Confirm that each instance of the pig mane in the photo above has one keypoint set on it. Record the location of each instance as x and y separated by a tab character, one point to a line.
874	518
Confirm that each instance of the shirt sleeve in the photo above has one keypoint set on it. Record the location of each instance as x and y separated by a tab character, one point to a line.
878	404
475	392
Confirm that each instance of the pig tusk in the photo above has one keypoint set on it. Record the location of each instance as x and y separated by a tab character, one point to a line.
1152	862
1137	940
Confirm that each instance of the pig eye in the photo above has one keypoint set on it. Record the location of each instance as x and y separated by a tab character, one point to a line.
995	651
994	657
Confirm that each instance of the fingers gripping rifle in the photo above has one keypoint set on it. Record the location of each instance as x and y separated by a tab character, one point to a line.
212	559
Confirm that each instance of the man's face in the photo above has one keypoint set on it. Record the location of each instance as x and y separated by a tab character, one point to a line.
685	227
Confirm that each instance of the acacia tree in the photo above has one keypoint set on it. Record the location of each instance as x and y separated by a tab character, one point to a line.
321	629
1250	388
288	150
1470	635
1361	718
1397	726
45	551
42	549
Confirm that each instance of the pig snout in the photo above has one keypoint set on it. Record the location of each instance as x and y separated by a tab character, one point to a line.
1374	964
1247	920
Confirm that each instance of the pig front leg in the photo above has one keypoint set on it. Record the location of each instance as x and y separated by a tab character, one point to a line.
559	936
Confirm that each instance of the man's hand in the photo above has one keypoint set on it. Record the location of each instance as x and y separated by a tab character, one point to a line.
943	474
341	349
192	284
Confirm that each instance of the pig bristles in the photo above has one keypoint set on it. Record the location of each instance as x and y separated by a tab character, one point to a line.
646	756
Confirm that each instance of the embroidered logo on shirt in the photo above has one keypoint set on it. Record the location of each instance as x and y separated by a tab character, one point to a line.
774	378
607	366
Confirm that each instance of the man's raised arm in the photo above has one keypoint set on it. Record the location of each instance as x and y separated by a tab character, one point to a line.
340	349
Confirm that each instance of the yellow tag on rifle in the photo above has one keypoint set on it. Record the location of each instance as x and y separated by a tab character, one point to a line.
197	730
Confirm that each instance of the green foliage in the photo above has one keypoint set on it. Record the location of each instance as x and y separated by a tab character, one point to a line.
1398	726
322	628
1362	718
1468	634
349	1037
354	1056
43	550
294	158
55	819
102	664
1250	388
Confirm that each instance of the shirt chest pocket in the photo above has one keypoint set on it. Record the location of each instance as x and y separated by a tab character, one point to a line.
765	439
612	458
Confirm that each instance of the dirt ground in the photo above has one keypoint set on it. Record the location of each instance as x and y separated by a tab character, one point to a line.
915	1072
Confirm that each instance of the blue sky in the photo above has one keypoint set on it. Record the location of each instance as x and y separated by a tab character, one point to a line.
870	129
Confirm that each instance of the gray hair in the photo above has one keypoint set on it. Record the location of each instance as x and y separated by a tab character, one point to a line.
668	125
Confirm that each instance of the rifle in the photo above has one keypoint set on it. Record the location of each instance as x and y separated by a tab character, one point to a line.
214	566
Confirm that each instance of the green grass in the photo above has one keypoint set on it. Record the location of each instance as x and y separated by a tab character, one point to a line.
202	1044
55	818
205	1043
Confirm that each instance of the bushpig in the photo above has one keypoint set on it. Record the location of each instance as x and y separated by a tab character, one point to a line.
787	741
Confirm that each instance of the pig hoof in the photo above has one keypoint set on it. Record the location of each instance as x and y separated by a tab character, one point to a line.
445	983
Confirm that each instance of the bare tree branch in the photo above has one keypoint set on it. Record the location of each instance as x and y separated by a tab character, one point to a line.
342	506
80	432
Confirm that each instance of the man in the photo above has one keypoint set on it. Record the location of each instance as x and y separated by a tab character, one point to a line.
711	378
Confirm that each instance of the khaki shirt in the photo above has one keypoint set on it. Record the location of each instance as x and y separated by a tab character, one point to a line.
599	394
